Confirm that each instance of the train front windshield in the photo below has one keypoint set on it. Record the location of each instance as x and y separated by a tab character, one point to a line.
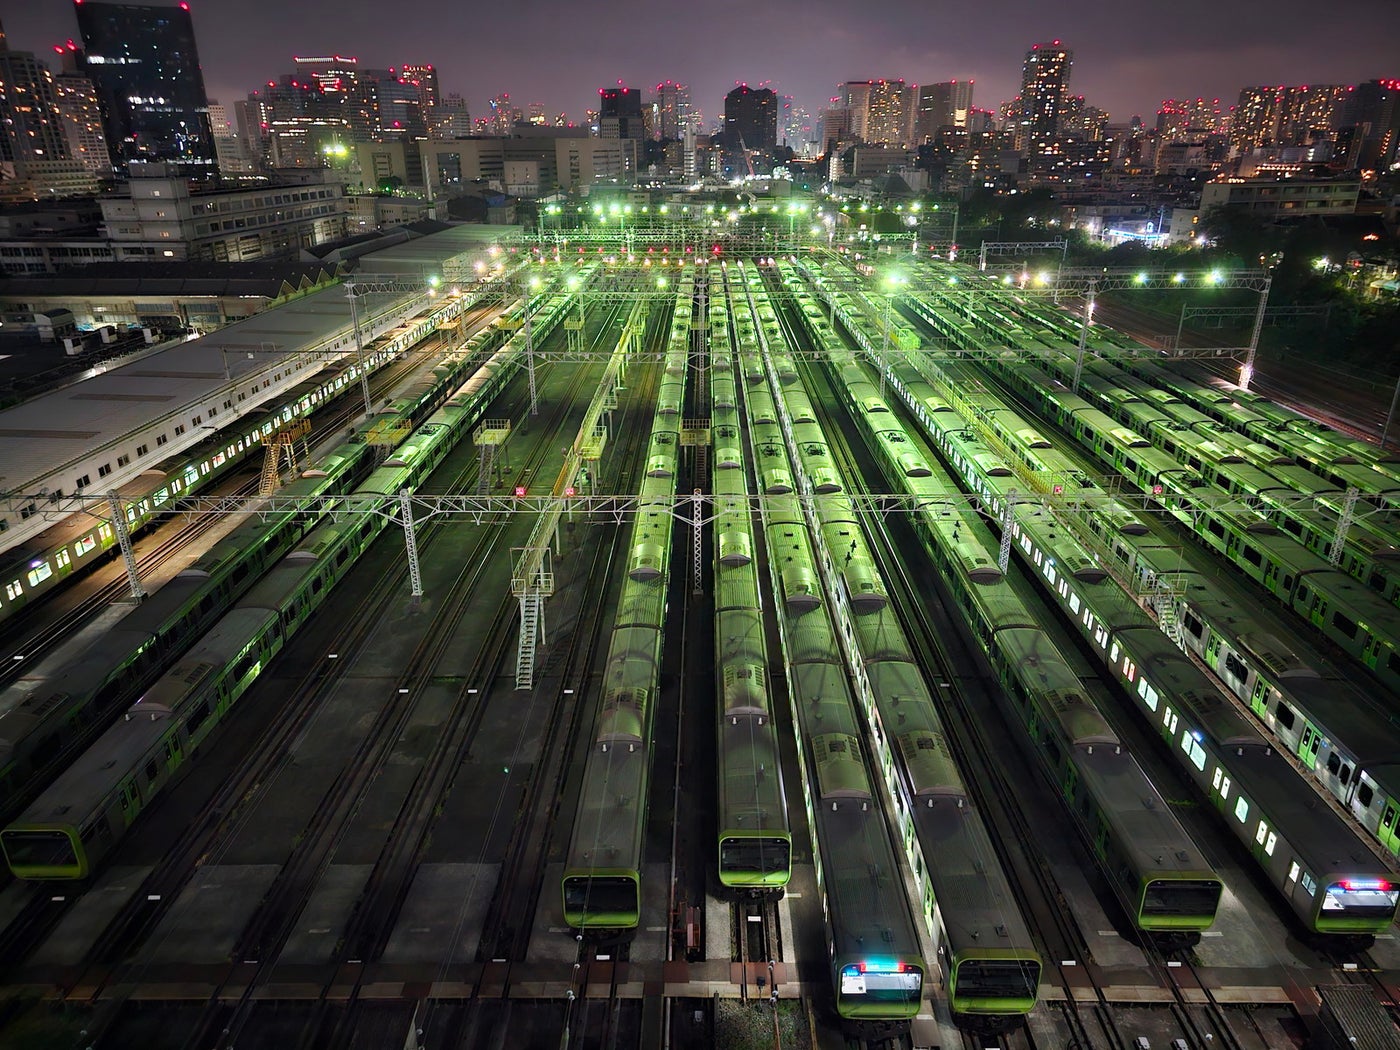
38	854
998	979
762	856
878	989
600	895
1181	897
1361	899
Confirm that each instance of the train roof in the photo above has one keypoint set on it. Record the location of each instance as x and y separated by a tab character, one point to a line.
1322	840
80	789
974	898
1144	826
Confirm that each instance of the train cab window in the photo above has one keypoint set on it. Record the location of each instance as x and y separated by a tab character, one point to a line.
1284	713
1364	794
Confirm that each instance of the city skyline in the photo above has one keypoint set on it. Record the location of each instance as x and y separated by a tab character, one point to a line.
1119	67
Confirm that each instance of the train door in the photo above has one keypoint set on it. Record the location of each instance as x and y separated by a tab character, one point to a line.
1388	832
1308	746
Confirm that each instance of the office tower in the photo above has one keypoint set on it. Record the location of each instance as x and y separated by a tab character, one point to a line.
943	105
144	64
1044	94
425	79
673	105
336	74
751	119
854	96
1370	126
620	113
451	119
835	126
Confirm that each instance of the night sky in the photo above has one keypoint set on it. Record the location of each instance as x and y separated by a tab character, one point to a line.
1129	54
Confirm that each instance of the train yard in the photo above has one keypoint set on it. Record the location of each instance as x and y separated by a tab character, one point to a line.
732	654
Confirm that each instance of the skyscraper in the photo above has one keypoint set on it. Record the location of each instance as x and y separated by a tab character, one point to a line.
944	105
425	79
1371	125
144	64
854	96
1044	90
673	105
751	118
620	113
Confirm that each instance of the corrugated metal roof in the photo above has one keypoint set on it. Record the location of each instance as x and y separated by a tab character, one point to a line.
56	430
1361	1021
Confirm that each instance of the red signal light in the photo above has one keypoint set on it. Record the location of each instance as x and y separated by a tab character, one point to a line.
519	491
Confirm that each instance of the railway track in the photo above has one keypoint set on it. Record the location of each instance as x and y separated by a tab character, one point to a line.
379	904
208	834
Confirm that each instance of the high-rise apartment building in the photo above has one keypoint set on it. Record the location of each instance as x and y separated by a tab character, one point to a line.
943	105
1284	116
751	118
1044	94
1189	117
887	119
30	126
145	67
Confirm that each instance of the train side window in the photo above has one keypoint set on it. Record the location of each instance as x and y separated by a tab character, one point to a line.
1334	763
1284	713
198	716
1235	667
1393	662
1252	555
1241	809
1345	775
1344	624
152	771
1364	794
1215	527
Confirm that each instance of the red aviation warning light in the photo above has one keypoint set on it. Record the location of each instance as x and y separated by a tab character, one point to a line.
519	491
570	490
